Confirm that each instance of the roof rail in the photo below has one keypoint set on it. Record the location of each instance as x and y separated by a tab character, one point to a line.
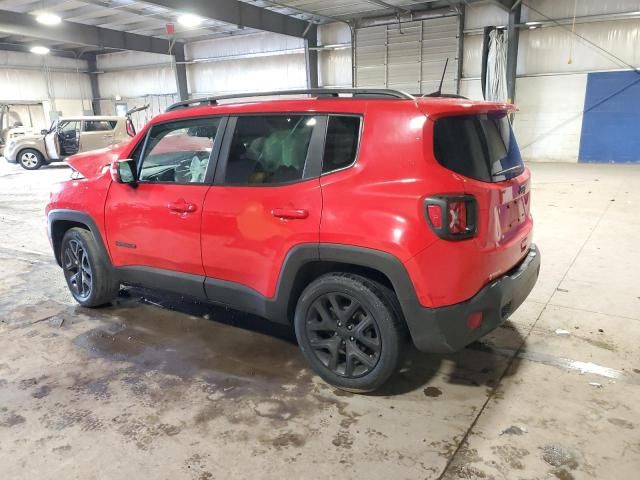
318	92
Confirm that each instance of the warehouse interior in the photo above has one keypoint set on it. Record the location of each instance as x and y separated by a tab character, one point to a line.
163	388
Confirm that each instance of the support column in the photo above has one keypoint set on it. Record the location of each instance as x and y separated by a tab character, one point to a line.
95	87
311	56
512	50
180	70
461	19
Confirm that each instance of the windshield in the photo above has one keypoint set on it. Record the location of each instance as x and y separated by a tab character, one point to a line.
482	146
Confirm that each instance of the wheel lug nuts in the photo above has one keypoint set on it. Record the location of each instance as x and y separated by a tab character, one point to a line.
350	327
351	338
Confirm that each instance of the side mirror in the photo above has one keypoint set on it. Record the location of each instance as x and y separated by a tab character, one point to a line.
124	171
44	131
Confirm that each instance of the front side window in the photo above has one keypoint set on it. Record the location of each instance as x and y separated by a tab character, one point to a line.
341	144
68	127
179	152
482	146
269	149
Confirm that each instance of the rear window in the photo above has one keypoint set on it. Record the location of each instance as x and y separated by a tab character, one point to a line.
482	147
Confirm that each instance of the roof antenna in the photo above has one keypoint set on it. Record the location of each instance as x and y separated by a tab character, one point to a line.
438	93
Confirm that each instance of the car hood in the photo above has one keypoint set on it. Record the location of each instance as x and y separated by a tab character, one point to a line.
92	163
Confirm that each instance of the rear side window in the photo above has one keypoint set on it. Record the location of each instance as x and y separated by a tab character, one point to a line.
99	125
482	147
341	144
269	149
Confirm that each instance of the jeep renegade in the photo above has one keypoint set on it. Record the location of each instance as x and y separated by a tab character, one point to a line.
359	217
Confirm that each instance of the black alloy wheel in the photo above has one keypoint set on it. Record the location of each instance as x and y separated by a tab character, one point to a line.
350	330
77	270
343	334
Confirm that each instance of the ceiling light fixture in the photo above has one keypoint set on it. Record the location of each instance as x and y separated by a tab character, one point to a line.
39	50
189	20
48	19
536	24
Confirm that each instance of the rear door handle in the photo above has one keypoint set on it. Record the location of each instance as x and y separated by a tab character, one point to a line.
290	213
181	206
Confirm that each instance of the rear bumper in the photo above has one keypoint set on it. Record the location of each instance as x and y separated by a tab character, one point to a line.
444	329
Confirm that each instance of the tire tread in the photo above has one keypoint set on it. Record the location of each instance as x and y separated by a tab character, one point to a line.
106	285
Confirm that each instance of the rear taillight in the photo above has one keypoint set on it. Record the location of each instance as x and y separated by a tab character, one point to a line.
452	217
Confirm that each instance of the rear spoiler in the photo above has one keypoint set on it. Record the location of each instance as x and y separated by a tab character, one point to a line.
462	107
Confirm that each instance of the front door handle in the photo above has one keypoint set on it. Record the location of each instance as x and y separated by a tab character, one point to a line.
181	206
290	213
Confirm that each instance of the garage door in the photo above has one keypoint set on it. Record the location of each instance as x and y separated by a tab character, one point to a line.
611	118
409	56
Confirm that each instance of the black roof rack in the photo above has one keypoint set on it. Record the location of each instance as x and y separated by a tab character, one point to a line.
318	92
442	95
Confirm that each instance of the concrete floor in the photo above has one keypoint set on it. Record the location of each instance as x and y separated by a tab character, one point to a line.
151	388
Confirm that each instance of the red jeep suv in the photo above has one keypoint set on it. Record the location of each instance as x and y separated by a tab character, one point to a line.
361	217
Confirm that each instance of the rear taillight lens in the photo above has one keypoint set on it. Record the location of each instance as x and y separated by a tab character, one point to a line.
452	217
434	213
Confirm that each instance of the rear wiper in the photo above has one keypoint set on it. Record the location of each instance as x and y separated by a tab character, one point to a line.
507	170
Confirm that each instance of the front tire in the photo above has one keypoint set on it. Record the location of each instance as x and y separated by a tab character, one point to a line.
30	159
350	331
87	270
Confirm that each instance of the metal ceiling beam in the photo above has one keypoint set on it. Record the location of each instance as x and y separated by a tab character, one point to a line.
13	23
241	14
505	4
298	11
14	47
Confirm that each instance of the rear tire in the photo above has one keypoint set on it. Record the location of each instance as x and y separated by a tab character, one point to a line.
87	270
350	331
30	159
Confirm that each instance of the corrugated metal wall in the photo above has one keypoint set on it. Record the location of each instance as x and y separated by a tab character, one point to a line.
409	56
553	66
272	72
263	61
23	79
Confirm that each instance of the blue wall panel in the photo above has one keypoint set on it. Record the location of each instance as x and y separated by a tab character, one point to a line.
611	121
